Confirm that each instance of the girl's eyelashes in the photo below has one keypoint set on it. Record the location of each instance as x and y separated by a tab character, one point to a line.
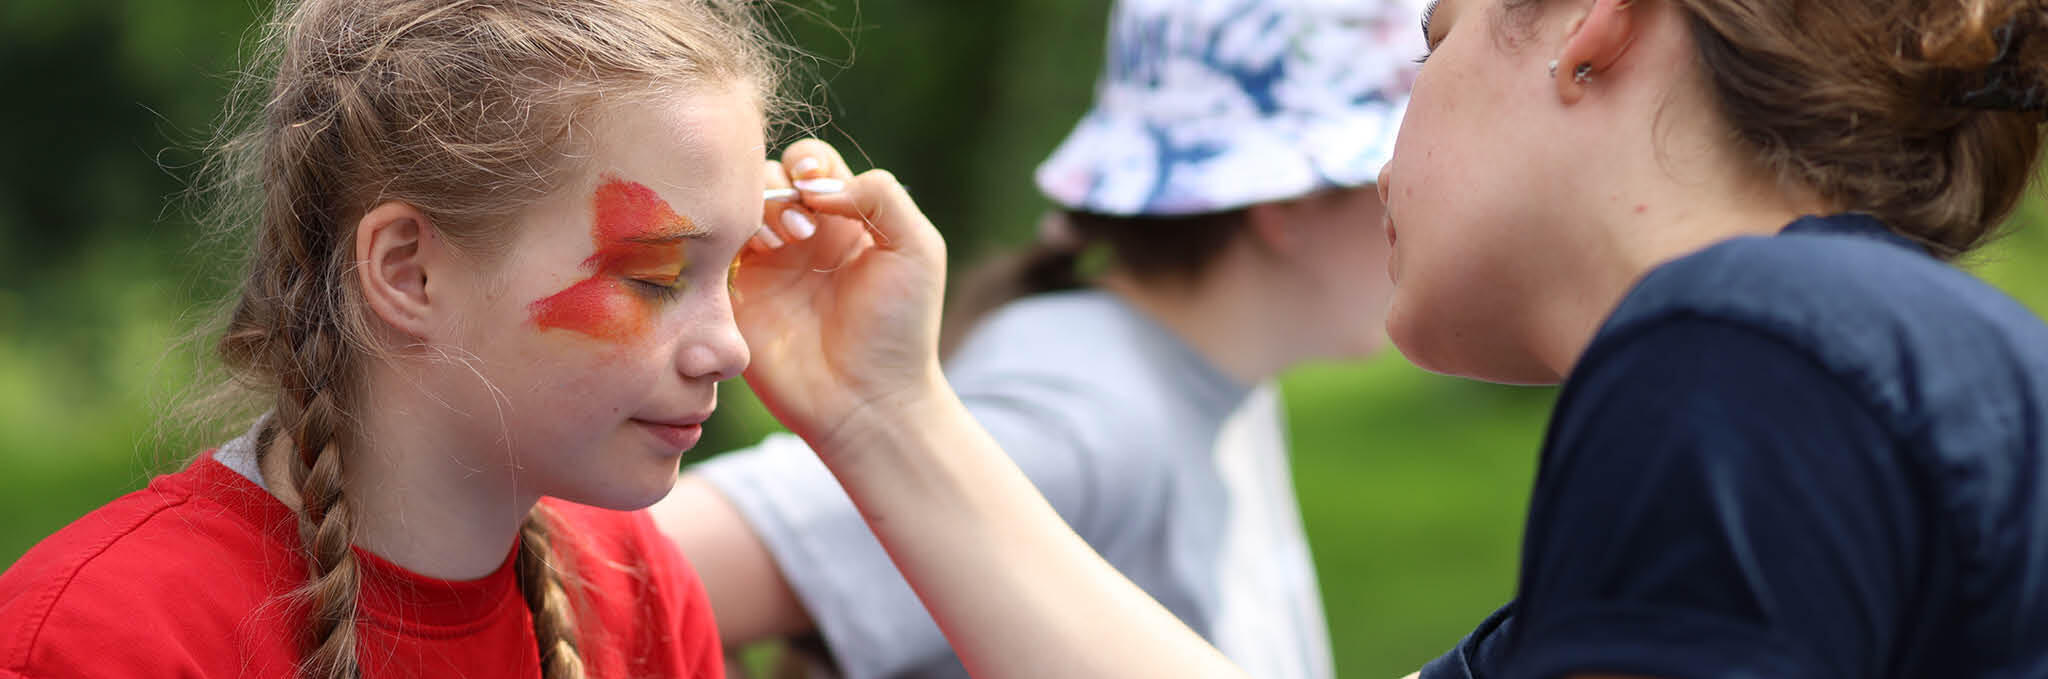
658	288
732	276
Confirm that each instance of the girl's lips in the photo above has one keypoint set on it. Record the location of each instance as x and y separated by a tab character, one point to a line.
678	437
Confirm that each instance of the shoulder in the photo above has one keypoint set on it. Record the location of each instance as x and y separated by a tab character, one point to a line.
1706	478
1081	362
1770	279
1063	335
156	577
644	608
625	562
1952	372
612	544
1903	330
1817	284
1690	400
1714	393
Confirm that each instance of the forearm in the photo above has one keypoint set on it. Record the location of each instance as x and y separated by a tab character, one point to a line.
749	595
1016	592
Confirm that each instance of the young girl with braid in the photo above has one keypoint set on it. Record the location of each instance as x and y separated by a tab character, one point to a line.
490	295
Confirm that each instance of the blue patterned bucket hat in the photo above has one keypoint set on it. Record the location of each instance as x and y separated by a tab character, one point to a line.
1210	105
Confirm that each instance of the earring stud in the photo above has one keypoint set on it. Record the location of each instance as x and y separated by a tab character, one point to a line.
1583	74
1553	68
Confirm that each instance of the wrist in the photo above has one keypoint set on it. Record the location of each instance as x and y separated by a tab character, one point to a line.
889	422
918	462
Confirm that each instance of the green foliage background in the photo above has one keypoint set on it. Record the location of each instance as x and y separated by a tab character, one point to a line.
1412	485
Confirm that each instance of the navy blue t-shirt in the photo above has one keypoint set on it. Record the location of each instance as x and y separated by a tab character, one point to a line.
1818	454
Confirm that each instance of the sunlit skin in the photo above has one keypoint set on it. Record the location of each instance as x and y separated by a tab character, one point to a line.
603	328
1506	269
640	258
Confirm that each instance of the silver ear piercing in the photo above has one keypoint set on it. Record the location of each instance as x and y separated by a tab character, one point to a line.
1581	75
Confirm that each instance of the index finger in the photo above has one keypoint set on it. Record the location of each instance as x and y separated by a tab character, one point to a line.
812	158
816	168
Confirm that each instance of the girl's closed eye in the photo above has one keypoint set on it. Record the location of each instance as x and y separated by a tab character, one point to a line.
659	288
654	270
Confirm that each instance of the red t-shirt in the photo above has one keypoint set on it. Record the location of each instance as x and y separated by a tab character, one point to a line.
193	575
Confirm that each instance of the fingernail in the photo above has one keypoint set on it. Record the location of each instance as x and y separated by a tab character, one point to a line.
799	226
772	195
805	166
822	186
768	237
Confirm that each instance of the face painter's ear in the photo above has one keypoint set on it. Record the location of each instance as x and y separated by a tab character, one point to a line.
393	246
1596	42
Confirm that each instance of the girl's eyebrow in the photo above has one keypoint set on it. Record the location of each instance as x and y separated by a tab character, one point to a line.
694	232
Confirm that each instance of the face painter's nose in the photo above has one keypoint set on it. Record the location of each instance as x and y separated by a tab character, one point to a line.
1386	173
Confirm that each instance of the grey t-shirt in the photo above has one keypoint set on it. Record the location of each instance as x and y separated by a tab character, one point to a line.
1176	474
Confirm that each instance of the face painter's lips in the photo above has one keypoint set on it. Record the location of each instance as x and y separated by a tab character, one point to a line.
678	434
1387	222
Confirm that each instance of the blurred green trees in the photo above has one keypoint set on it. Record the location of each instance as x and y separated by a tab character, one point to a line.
1412	485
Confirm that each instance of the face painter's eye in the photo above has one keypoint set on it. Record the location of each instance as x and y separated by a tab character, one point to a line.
1429	43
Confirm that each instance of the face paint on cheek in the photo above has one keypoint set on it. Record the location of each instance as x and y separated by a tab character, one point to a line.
595	307
637	235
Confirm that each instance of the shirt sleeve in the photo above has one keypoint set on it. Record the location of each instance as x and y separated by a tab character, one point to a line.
1481	648
1713	503
867	614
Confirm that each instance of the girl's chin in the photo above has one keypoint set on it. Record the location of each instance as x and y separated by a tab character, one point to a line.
622	493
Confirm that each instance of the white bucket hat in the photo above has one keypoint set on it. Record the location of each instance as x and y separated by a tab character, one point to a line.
1211	105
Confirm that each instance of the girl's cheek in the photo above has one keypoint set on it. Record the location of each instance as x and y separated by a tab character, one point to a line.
597	307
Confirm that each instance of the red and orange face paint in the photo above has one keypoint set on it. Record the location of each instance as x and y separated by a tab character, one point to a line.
641	255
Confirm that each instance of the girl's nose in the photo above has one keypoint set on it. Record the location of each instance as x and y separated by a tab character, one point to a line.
715	351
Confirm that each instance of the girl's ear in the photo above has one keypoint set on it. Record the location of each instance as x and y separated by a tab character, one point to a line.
396	247
1596	41
1273	226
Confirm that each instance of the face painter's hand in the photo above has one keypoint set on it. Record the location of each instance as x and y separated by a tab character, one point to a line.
840	302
